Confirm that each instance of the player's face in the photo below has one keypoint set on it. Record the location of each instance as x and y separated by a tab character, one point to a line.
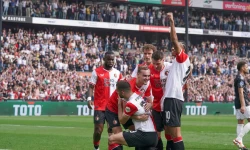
143	77
147	54
120	94
173	52
109	60
245	68
158	64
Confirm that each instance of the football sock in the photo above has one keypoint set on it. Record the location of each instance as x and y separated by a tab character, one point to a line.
159	144
245	130
178	143
115	147
239	129
170	143
96	144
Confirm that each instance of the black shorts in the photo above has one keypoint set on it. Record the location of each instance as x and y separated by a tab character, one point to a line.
128	124
142	140
112	119
172	112
158	119
99	117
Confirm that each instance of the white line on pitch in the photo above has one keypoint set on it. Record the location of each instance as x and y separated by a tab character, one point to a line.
19	125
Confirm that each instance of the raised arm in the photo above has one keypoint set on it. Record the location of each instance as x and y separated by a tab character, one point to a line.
173	35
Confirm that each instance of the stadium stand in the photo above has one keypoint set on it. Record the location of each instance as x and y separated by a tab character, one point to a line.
39	63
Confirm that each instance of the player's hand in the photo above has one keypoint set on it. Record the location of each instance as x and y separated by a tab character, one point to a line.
147	107
170	16
144	117
90	104
243	109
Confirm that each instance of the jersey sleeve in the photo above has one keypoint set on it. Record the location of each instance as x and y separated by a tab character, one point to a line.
240	83
93	78
130	109
181	57
134	73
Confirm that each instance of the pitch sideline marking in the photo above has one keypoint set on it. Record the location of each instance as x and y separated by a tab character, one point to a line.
19	125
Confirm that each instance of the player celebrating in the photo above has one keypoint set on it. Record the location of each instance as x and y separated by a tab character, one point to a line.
173	94
159	73
241	104
103	82
148	50
144	137
139	85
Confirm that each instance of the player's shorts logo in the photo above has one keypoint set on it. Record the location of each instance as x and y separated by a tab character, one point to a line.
114	122
166	73
96	118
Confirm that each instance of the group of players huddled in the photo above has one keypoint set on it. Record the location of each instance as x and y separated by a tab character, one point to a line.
147	103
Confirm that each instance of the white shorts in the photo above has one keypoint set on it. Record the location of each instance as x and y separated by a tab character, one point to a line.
241	116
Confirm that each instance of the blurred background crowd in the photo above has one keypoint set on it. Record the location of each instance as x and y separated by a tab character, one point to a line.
54	63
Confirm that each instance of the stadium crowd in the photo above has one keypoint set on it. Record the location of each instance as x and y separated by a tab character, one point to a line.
47	65
133	14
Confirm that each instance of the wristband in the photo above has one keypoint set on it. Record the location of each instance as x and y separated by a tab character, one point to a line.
89	98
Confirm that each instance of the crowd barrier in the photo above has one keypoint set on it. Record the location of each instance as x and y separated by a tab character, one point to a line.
40	108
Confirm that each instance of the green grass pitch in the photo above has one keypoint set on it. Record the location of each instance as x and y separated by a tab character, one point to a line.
75	133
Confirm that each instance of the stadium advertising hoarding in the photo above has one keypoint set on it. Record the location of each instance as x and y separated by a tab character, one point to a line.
146	1
212	4
20	108
90	24
17	19
174	2
236	6
132	27
241	34
153	28
217	32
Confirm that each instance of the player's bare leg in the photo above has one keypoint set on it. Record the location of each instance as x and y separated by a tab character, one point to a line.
117	138
170	143
115	146
175	133
98	129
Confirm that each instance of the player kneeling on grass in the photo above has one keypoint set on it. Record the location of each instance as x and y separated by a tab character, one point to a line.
145	136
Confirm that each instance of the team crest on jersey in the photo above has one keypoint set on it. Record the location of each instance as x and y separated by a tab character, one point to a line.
114	122
166	73
127	109
142	90
97	118
115	75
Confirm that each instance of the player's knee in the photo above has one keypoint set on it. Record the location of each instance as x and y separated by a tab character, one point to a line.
98	130
117	130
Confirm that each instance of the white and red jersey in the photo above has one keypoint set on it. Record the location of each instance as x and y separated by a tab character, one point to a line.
177	76
144	91
104	82
135	106
158	81
134	73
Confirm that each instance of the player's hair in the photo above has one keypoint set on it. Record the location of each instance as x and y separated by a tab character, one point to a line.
148	47
109	53
123	85
157	55
142	67
240	65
